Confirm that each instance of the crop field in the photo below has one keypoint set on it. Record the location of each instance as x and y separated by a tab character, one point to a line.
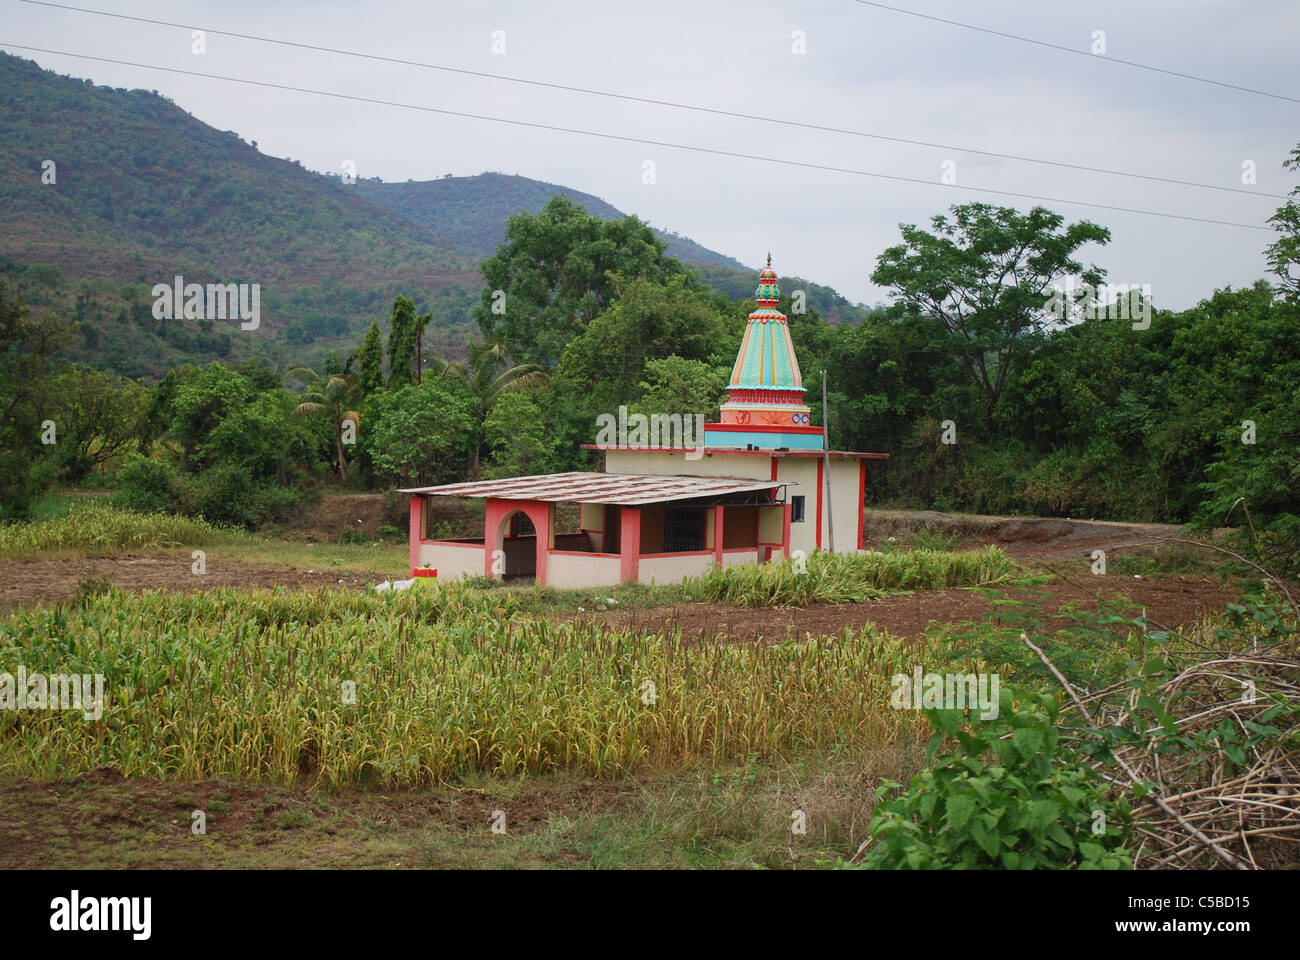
330	725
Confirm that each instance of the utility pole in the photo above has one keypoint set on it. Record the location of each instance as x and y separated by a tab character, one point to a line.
826	459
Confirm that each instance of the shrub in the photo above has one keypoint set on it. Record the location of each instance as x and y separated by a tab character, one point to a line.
227	494
1006	800
148	486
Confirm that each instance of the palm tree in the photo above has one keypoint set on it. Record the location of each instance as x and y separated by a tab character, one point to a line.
331	395
482	373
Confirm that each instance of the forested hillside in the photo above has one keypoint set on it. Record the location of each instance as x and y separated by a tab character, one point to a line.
109	191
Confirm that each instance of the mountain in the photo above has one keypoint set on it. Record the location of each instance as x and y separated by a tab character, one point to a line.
140	191
471	212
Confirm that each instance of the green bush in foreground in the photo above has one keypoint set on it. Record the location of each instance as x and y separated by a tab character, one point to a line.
1027	808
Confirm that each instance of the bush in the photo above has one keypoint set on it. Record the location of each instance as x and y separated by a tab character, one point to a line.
1025	808
227	494
423	434
148	486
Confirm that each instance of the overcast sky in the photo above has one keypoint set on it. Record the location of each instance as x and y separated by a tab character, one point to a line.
864	69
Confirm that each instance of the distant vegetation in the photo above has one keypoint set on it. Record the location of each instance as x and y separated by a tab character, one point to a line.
985	399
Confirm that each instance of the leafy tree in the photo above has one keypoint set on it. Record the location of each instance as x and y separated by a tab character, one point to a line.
371	361
401	343
487	374
332	397
423	433
99	418
1284	253
198	401
148	486
986	273
515	434
676	385
554	274
29	349
604	366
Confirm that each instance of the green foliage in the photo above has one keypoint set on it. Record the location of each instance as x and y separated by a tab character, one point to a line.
229	494
29	349
848	578
94	527
556	271
99	418
371	361
1009	798
515	434
402	335
676	385
986	273
423	434
604	367
148	486
1284	253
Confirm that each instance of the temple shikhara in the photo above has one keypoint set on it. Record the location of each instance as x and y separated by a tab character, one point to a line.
763	486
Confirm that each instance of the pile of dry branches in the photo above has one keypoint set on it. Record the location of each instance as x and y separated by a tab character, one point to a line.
1224	789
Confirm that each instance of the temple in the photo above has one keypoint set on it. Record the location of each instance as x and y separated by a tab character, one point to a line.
762	487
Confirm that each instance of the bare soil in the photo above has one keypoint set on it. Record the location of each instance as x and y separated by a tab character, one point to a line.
1170	601
103	819
27	583
1025	538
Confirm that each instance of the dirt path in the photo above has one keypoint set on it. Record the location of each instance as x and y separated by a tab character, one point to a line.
1025	538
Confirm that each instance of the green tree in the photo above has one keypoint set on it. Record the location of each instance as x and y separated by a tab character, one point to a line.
487	373
196	403
603	367
334	398
515	435
987	273
554	274
677	385
99	418
401	343
371	361
1284	253
423	433
29	349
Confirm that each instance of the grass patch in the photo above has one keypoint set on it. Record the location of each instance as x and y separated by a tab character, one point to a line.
849	578
96	528
376	560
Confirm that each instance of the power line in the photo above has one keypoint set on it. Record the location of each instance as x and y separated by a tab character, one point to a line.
640	140
1065	49
668	103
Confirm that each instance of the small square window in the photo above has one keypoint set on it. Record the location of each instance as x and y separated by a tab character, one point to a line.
796	509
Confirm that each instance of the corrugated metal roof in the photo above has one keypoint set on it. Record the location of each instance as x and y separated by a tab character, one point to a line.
623	489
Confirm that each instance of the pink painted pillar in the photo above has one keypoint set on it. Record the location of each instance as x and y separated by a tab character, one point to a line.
630	544
417	532
718	514
785	529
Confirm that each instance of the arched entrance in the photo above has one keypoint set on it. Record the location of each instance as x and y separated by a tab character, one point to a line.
517	537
